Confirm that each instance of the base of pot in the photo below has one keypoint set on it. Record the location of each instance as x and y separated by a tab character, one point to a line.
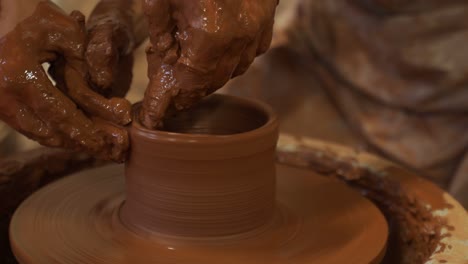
318	220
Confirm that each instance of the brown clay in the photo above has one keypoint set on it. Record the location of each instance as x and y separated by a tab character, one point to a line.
314	219
197	46
213	174
79	216
61	115
115	28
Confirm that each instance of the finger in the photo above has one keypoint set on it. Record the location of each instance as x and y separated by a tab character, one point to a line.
21	118
158	97
186	83
111	37
206	63
117	110
59	112
28	123
69	42
69	33
160	90
158	14
115	137
102	56
34	128
70	73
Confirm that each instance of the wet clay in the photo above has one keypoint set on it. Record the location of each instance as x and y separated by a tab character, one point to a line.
313	219
197	46
115	29
57	116
213	174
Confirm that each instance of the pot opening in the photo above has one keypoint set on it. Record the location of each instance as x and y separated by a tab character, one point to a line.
217	115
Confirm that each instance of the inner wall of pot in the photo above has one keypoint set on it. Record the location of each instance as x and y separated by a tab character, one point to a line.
217	115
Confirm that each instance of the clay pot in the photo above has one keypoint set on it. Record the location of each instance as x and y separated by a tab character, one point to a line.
180	182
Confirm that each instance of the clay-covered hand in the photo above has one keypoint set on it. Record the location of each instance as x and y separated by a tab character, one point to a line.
197	46
115	28
70	114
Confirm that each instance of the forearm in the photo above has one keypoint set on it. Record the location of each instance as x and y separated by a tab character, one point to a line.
126	14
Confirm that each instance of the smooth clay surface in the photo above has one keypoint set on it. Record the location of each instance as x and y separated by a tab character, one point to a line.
318	220
213	174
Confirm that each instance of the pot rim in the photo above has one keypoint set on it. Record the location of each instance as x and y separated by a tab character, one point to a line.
269	127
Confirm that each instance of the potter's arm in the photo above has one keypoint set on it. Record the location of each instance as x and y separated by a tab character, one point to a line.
62	116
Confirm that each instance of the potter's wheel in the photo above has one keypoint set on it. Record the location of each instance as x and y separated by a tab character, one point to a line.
75	220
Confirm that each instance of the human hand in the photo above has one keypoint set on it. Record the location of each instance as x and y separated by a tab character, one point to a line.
197	46
115	28
49	114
